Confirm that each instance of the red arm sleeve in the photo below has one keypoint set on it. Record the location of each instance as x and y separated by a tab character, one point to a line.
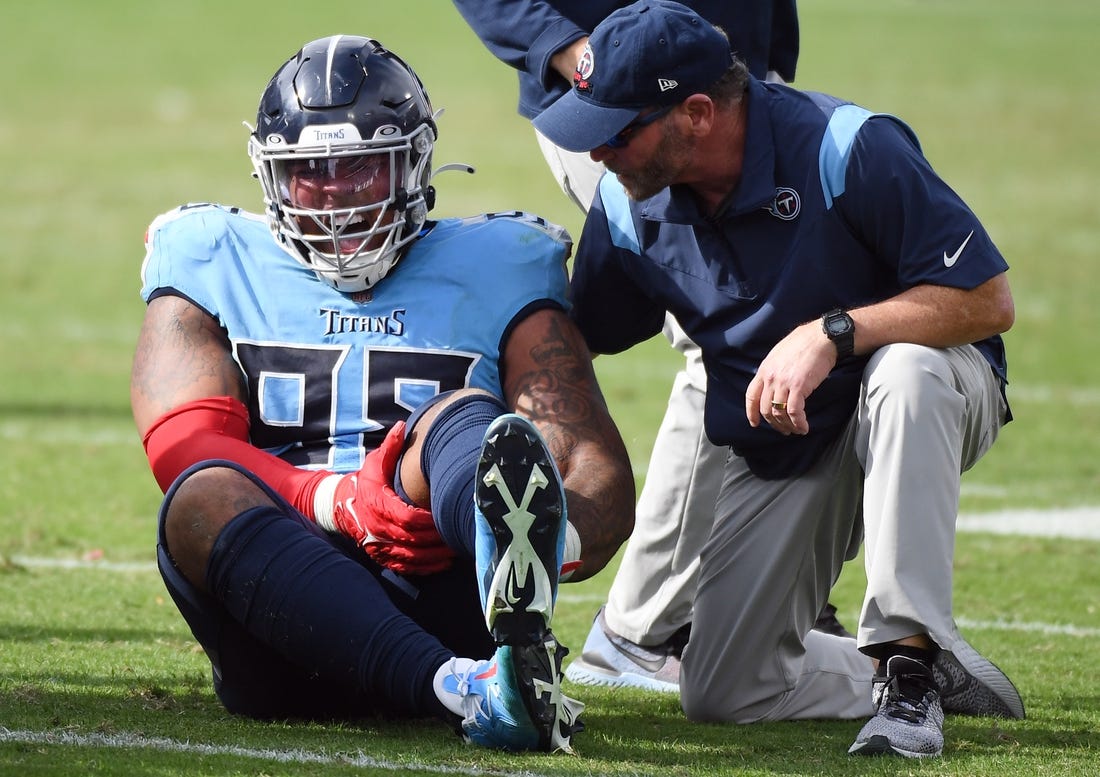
217	428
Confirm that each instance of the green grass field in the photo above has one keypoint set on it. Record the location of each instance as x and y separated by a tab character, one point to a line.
116	110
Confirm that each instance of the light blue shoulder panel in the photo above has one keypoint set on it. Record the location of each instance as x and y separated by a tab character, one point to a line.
836	146
620	224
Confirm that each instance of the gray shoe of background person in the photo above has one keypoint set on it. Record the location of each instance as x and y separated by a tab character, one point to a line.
612	660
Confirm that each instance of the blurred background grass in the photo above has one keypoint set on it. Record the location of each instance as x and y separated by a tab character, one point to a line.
117	110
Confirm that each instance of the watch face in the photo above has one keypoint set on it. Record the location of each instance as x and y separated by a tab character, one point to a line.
841	329
838	325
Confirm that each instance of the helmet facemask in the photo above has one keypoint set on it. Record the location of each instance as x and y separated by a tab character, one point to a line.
346	209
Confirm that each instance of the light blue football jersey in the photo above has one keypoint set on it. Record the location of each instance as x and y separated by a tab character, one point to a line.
329	373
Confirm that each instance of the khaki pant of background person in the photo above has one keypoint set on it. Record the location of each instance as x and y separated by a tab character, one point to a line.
651	595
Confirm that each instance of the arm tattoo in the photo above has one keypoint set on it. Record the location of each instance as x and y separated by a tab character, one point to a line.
177	352
557	393
556	387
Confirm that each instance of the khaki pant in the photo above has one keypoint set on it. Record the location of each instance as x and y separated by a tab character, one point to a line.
924	416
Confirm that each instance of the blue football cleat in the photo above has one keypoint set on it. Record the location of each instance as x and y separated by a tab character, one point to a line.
495	697
520	517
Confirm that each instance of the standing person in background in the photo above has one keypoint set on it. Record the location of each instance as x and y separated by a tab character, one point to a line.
849	307
543	41
379	435
638	636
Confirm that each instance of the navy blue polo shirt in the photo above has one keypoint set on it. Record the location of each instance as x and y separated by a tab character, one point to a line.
836	207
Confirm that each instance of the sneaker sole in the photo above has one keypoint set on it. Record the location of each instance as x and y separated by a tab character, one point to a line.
880	745
583	673
1006	702
521	508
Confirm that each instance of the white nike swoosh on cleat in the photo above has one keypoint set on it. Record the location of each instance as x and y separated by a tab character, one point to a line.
949	261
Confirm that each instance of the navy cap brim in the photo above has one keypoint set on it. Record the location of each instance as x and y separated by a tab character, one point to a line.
577	125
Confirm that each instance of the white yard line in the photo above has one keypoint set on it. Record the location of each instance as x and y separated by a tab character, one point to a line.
42	562
63	433
1047	629
1072	523
1045	394
137	741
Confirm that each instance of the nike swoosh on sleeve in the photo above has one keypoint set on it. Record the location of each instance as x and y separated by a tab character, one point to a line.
949	261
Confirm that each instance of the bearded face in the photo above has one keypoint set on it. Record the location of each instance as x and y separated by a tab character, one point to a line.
646	176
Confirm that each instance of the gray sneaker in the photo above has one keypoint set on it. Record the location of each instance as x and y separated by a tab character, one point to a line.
909	720
971	684
608	659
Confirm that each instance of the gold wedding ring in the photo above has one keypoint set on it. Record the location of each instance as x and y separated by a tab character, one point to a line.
779	405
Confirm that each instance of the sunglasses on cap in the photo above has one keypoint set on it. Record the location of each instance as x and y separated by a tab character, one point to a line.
622	138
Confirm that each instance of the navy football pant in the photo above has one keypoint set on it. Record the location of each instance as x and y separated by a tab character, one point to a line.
301	624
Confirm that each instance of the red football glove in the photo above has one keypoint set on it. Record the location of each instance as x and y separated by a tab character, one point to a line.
365	507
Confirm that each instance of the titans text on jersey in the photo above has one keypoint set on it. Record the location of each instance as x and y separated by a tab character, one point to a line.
338	322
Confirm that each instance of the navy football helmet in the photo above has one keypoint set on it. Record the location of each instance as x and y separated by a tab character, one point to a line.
342	147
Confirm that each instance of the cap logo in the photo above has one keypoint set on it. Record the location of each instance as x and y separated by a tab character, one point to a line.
664	84
584	69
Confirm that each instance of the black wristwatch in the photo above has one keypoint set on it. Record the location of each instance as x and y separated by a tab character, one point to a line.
841	329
